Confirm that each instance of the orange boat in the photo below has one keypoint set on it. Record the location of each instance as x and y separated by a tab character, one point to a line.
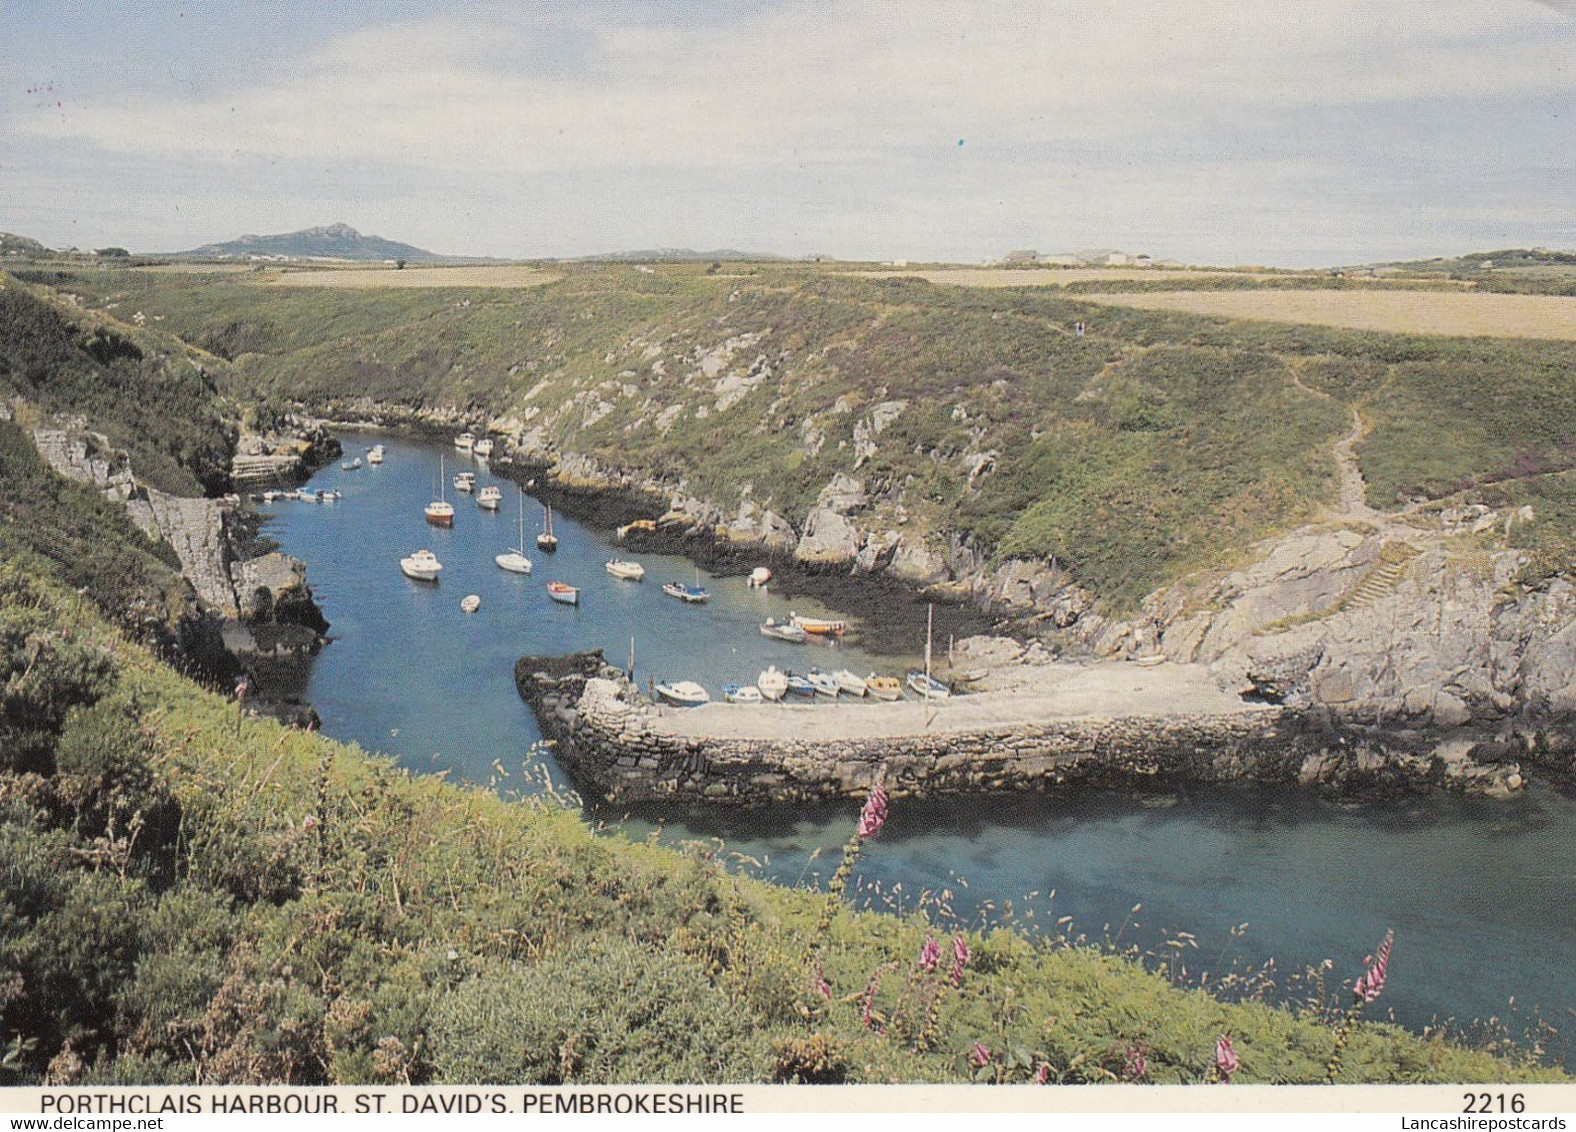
818	626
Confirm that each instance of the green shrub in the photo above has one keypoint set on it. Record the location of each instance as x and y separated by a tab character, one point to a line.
610	1012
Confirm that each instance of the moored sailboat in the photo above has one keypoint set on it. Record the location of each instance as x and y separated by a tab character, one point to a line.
514	560
547	541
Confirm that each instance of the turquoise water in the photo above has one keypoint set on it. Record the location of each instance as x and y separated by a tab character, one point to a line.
1482	895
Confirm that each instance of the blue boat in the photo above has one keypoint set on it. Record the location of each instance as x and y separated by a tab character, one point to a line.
686	593
799	686
928	687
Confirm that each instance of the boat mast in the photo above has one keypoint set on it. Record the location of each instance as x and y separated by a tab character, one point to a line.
930	625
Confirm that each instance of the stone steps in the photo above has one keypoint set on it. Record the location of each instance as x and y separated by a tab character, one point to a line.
1381	580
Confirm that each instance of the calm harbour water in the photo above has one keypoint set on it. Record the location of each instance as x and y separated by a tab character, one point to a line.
1482	895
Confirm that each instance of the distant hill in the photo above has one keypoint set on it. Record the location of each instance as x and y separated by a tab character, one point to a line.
334	241
683	255
1508	258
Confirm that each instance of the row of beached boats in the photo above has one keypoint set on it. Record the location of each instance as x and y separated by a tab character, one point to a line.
775	685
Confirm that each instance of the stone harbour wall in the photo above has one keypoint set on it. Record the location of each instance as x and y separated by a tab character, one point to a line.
613	745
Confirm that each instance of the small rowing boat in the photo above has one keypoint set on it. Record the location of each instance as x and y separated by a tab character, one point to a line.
848	682
928	687
884	687
741	694
470	603
563	592
772	683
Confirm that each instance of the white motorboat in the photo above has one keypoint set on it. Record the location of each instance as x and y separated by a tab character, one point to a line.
782	631
376	455
849	683
514	560
741	694
684	693
772	683
470	603
823	684
465	442
625	569
423	566
465	481
488	498
483	448
351	465
759	577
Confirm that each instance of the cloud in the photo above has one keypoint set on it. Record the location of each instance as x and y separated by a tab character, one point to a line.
552	89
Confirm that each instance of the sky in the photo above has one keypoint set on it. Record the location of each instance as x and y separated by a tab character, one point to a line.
1207	131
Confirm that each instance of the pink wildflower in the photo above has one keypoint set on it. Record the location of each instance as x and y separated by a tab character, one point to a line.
241	688
1226	1060
1371	983
1135	1066
874	814
980	1055
309	823
960	959
1042	1073
819	985
929	955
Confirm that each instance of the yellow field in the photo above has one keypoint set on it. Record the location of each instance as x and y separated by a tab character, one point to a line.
1403	312
1049	276
469	275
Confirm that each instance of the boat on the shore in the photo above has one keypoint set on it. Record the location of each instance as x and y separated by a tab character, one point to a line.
470	603
884	687
547	541
819	626
488	498
465	442
514	559
823	683
772	683
423	566
741	693
692	594
799	686
782	631
563	592
625	569
482	449
465	481
848	682
927	687
684	693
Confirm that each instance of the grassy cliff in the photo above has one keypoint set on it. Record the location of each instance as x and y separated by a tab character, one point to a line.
1152	445
191	896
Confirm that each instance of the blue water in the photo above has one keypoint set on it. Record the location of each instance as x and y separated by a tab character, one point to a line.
1482	895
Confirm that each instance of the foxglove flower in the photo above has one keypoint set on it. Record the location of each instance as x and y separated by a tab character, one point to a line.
1135	1066
980	1056
1371	984
929	955
819	985
960	959
1042	1073
873	816
1226	1060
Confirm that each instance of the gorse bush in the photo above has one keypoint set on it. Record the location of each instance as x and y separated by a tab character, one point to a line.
609	1011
